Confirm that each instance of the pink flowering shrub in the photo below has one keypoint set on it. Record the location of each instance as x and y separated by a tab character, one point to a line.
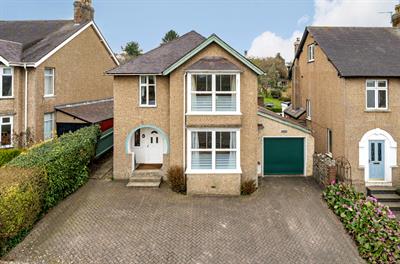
373	226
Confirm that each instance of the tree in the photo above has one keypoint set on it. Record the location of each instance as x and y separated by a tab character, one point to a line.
132	49
169	36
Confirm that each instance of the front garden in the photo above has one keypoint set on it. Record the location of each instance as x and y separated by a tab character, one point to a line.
36	180
373	226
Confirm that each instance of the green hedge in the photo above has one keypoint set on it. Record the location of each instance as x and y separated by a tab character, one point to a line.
65	161
6	155
372	225
21	202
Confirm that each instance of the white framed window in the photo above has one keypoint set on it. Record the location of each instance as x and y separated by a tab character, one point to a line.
147	91
6	82
311	52
329	140
6	130
49	77
48	126
376	95
213	93
308	109
213	151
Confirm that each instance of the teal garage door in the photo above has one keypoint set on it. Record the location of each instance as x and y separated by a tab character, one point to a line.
283	156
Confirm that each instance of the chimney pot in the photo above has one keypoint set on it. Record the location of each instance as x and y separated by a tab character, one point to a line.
396	17
296	45
83	11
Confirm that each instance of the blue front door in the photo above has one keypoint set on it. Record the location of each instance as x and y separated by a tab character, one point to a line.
377	160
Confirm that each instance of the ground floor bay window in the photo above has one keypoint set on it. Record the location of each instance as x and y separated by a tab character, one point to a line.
213	151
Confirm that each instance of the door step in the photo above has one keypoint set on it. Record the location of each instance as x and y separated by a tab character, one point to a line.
372	190
145	179
386	196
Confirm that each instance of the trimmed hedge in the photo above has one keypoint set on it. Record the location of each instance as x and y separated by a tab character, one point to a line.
21	202
372	225
65	161
6	155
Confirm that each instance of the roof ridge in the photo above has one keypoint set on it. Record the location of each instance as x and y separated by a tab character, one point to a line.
37	20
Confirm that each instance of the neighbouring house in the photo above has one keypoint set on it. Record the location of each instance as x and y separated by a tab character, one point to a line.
49	63
192	103
346	84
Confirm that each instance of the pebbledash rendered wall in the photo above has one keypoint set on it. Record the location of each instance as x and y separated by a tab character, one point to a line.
169	116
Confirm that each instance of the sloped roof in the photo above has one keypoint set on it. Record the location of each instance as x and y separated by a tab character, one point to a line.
11	51
297	124
37	38
359	51
158	59
91	111
213	63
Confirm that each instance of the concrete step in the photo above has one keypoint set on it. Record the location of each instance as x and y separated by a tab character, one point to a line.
387	197
144	184
381	190
394	206
147	178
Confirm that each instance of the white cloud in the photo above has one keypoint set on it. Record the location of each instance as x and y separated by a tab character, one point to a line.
326	13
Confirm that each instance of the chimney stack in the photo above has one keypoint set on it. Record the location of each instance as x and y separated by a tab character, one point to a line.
396	17
296	45
83	11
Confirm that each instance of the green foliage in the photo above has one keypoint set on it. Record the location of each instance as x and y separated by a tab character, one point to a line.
65	161
169	36
248	187
276	93
132	49
372	225
21	202
176	179
6	155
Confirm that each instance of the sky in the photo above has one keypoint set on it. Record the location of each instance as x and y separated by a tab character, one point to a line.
261	27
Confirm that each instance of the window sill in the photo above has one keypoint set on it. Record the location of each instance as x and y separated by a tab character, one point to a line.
377	111
49	96
7	97
214	113
148	106
213	171
6	147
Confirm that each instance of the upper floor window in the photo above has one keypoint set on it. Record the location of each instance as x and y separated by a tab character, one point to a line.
308	108
6	130
49	81
213	93
6	82
377	94
148	91
48	126
311	52
329	141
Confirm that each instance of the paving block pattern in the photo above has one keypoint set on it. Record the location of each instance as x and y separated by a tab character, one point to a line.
285	221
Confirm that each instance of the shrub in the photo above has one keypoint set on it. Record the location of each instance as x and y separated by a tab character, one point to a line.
276	93
285	99
6	155
176	179
248	187
65	161
372	225
21	202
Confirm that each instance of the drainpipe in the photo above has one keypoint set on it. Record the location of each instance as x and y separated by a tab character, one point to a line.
26	99
184	121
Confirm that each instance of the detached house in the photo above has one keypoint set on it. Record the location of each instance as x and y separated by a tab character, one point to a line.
193	103
346	84
51	63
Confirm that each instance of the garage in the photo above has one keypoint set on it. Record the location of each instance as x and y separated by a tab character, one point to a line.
283	156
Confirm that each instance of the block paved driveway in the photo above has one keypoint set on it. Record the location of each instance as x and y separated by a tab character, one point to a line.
286	221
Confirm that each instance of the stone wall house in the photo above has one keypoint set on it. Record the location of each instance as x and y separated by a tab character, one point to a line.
47	63
192	103
346	85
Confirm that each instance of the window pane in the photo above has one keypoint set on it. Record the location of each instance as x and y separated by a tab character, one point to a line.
382	84
48	85
143	95
137	138
201	83
226	102
6	120
225	140
152	95
225	160
372	151
6	71
5	135
382	99
370	83
370	98
201	140
143	80
151	80
379	151
7	86
201	160
48	72
48	126
202	102
226	83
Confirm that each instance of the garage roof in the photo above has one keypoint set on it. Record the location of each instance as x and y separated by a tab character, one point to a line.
290	122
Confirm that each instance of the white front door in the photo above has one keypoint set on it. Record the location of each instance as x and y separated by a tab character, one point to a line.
154	147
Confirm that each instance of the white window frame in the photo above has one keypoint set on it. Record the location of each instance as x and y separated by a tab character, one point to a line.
329	140
213	150
308	109
1	81
376	89
147	90
12	129
311	52
214	92
53	76
52	114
